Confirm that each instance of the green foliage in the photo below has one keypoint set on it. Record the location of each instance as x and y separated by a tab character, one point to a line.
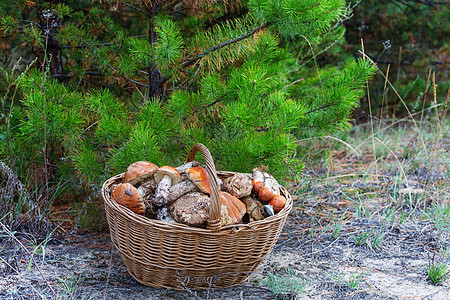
293	18
168	49
328	102
235	78
284	286
440	215
437	273
353	282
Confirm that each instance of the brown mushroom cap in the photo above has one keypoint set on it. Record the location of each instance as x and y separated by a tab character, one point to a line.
278	202
265	194
170	171
127	195
138	171
257	185
199	176
253	208
236	208
238	185
191	209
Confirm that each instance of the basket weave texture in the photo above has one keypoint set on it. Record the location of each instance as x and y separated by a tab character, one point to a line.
173	255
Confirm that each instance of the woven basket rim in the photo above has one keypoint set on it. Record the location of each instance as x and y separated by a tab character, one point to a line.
162	225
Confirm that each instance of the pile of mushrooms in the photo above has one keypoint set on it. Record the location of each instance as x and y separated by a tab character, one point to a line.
181	194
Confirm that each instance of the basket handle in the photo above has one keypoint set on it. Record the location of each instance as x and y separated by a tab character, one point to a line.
214	213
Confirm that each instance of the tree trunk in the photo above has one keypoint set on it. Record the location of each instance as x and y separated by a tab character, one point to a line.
155	77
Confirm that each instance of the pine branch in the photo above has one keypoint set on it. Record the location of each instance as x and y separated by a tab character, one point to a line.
189	62
85	46
323	125
111	67
138	9
228	16
205	106
274	153
340	100
171	5
323	107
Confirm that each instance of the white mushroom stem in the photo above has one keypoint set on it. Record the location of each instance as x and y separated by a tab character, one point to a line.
147	188
258	175
271	182
180	189
162	191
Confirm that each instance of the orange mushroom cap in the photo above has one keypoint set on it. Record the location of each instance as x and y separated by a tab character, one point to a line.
199	176
127	195
236	208
265	194
278	202
257	185
138	170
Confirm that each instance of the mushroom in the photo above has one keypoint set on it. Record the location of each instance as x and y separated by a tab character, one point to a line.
277	202
267	210
138	171
147	189
182	169
268	189
258	175
257	185
235	208
254	209
127	195
163	214
199	176
239	185
267	180
197	180
165	177
265	194
191	209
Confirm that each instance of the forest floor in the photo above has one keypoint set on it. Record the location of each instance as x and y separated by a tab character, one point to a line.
371	218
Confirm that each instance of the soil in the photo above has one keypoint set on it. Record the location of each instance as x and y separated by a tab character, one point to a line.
87	266
348	237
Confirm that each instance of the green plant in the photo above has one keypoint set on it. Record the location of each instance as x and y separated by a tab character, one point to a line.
337	227
439	214
337	278
284	285
39	248
226	75
376	239
353	280
361	238
68	287
437	272
71	288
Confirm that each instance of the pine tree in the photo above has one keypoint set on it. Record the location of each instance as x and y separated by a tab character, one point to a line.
145	80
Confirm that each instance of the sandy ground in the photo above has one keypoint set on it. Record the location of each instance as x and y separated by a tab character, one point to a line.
85	267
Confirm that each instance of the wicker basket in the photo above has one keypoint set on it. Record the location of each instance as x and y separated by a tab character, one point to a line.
172	255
